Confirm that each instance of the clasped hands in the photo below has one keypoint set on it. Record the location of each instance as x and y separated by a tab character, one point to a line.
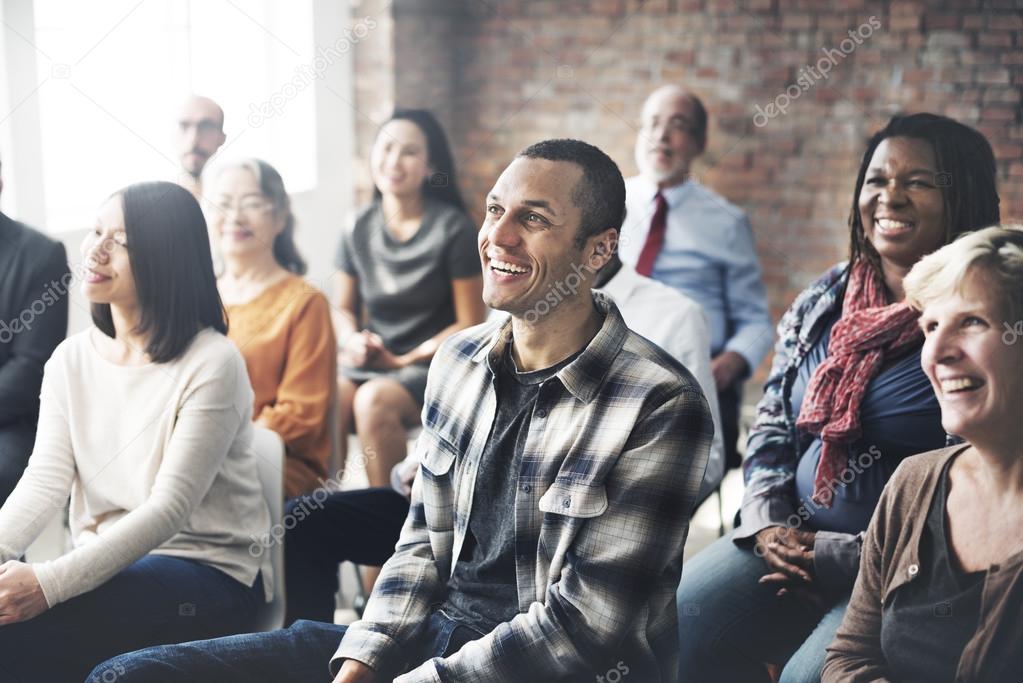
365	349
789	555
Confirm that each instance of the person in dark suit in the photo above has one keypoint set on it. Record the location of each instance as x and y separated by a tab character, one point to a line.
34	291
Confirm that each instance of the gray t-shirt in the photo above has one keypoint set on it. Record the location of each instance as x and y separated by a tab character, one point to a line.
482	590
405	287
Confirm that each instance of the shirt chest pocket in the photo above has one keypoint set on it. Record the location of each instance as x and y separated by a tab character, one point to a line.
567	507
572	499
435	454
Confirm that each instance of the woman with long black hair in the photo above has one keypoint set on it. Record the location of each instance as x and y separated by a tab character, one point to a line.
410	263
145	421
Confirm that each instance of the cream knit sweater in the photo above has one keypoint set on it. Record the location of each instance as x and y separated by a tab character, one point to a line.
156	459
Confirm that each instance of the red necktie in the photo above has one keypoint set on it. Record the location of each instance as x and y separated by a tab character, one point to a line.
654	238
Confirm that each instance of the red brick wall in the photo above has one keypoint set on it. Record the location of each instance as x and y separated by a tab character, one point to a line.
505	74
373	61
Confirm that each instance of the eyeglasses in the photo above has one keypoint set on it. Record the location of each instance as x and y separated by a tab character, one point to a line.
203	128
247	207
672	125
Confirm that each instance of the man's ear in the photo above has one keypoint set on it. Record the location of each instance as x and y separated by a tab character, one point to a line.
601	247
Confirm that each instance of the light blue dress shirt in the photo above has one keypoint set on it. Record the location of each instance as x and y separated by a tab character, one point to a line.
708	255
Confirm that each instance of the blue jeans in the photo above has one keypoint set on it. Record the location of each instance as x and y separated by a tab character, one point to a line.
301	652
157	599
730	625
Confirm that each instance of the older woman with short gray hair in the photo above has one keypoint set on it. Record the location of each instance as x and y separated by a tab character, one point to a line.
940	587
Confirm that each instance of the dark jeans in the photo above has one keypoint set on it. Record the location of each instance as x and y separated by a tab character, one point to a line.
301	652
155	600
730	405
358	526
16	441
729	625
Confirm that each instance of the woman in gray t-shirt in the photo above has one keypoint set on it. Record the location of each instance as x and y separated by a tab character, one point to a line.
409	276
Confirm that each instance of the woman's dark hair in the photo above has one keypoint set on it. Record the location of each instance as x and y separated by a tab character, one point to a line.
966	177
442	184
169	252
271	185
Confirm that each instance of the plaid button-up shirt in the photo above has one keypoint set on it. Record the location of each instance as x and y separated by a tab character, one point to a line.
616	448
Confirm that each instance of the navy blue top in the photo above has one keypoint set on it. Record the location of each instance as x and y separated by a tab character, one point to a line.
899	416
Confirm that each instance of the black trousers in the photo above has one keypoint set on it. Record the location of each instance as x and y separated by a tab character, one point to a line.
730	405
16	441
329	528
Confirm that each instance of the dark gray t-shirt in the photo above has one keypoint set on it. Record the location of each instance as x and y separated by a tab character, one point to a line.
405	287
929	621
482	590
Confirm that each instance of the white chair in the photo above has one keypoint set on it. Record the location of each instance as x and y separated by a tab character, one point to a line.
269	451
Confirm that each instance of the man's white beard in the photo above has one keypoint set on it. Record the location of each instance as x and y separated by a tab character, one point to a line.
652	174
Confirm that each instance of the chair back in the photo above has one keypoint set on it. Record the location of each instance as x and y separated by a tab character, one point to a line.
269	451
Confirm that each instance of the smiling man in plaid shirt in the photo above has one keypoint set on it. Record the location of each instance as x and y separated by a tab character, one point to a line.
561	455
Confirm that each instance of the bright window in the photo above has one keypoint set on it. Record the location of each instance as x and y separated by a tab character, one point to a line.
114	73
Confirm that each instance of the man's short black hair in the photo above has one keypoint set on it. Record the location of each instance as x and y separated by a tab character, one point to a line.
600	193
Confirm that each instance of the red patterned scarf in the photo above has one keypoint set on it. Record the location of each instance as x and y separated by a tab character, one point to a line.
869	329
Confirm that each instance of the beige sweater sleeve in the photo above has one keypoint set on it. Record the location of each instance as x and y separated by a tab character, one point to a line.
206	421
45	485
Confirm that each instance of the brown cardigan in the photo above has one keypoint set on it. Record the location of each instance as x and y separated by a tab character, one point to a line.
286	338
891	559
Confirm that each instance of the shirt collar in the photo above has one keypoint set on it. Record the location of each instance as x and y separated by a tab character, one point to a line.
583	376
623	284
674	195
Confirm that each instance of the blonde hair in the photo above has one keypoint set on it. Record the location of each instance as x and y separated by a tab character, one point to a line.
996	252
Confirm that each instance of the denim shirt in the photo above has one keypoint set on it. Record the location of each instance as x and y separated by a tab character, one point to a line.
774	448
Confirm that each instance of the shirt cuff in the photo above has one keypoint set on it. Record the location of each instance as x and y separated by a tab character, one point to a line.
836	559
425	673
48	583
369	647
760	512
751	348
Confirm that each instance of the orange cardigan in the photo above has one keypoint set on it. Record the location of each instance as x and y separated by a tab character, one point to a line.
287	340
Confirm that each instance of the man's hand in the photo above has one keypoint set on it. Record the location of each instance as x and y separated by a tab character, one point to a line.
726	368
355	672
408	477
789	553
21	596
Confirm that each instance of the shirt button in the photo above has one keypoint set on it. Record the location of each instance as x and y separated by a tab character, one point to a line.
913	569
526	488
567	502
541	413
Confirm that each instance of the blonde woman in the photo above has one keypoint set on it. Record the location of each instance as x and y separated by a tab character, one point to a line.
940	589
